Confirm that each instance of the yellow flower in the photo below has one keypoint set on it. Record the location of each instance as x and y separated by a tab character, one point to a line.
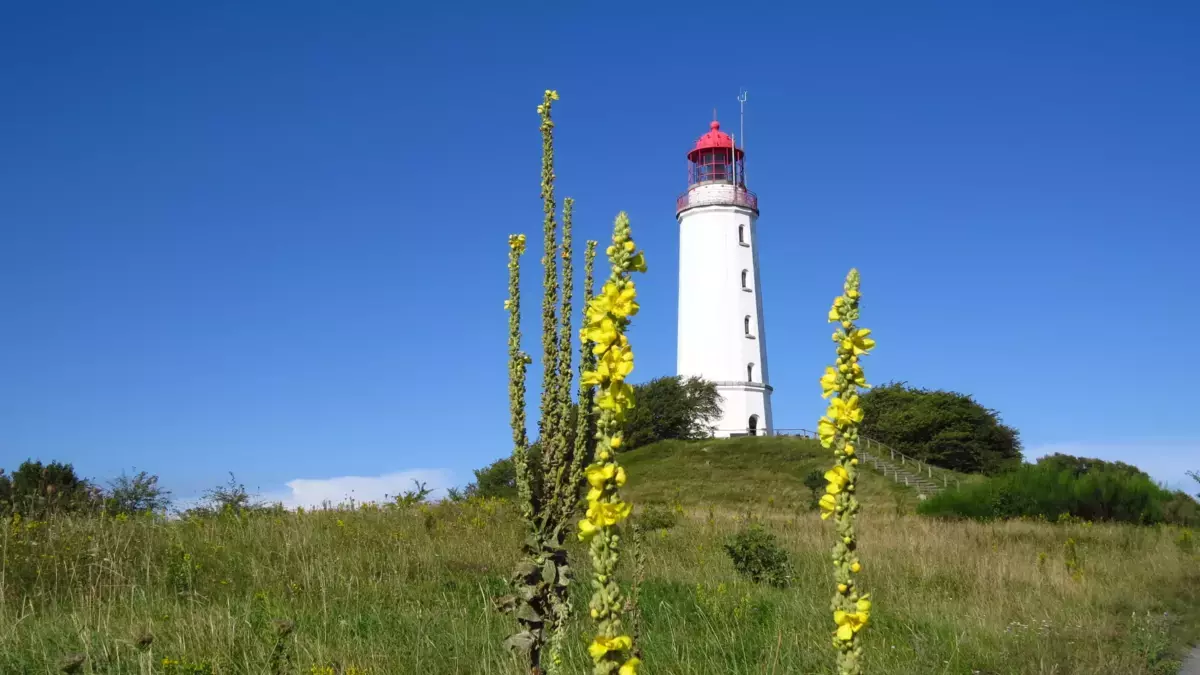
828	506
842	588
837	478
856	375
619	478
599	474
616	363
613	300
602	332
827	431
602	645
855	567
845	411
604	514
617	398
630	667
849	449
615	441
829	383
594	494
834	315
858	342
638	263
586	529
848	623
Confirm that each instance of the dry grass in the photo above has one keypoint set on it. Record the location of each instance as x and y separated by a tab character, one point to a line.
408	590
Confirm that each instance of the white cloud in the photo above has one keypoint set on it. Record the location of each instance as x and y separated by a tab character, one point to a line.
1166	461
312	493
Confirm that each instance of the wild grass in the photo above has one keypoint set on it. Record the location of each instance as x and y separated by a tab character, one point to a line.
409	589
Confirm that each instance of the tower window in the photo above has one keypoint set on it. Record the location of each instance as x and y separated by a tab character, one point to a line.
745	275
746	325
741	234
749	372
753	425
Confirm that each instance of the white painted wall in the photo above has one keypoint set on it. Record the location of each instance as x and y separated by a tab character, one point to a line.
713	305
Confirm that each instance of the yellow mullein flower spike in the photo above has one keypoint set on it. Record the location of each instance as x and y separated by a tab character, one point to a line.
838	430
607	319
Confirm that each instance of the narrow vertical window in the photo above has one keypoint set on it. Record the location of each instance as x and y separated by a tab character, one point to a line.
746	324
741	234
753	425
749	372
745	276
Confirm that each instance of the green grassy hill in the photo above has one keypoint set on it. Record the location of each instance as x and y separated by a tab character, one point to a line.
386	590
743	472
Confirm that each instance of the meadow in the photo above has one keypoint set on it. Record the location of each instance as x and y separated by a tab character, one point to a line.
409	589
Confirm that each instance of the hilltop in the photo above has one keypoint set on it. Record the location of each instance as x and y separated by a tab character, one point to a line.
745	472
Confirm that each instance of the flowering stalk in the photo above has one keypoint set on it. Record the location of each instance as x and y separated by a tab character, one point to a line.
607	319
838	430
584	434
556	451
549	494
518	361
548	423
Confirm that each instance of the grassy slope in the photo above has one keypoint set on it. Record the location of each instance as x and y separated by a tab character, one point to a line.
742	472
408	590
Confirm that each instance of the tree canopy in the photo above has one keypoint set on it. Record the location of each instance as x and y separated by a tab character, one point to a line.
36	489
672	408
944	428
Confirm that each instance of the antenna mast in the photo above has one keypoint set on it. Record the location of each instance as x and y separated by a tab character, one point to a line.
742	96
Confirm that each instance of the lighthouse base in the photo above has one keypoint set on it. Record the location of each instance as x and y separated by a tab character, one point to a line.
745	410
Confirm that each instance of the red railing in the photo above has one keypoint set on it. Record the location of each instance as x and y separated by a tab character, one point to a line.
736	197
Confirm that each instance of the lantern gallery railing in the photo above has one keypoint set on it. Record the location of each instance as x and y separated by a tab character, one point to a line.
708	194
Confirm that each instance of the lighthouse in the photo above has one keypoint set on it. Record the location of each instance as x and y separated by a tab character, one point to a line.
722	336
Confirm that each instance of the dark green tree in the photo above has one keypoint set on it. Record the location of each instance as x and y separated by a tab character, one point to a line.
499	479
672	408
815	482
36	490
138	493
944	428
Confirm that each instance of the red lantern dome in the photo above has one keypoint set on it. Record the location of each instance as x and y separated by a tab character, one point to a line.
715	158
715	139
716	173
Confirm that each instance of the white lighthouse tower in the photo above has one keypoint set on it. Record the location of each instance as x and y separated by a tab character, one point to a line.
722	337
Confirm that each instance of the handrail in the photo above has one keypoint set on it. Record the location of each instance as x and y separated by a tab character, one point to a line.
870	445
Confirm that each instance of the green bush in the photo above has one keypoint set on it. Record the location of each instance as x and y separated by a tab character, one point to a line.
1055	491
757	556
672	408
656	517
944	428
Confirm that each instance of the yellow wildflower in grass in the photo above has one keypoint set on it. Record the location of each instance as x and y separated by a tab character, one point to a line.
838	430
608	316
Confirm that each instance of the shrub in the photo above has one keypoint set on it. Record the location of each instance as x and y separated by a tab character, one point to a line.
37	489
757	556
138	493
1048	491
656	517
815	482
672	408
944	428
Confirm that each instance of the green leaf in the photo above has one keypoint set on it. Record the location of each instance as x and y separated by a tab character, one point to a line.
527	613
521	642
549	571
525	570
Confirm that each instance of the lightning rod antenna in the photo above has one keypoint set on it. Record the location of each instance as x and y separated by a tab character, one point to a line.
742	96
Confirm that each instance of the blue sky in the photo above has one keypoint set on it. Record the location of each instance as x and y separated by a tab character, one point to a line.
269	238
